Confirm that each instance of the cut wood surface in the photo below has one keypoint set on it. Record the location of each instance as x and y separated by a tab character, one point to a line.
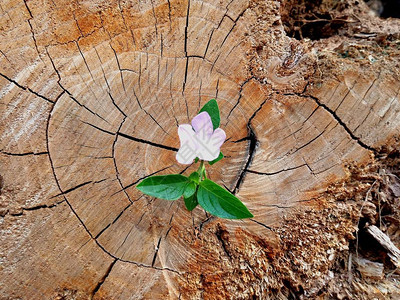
91	94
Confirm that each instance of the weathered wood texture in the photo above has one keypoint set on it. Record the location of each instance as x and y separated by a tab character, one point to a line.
91	93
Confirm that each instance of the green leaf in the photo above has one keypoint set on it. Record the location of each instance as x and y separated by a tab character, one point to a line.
190	189
191	202
196	159
195	177
168	187
212	108
220	156
219	202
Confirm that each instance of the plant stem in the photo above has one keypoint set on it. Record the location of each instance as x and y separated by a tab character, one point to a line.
200	169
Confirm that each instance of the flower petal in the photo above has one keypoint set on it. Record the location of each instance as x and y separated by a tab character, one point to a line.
217	138
202	125
188	149
207	153
184	156
209	149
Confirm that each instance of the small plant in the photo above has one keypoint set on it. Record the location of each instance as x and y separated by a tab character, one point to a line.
200	141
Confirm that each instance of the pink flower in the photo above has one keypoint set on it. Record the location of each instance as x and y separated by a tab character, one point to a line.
199	140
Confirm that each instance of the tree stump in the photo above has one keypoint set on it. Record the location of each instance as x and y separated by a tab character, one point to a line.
91	94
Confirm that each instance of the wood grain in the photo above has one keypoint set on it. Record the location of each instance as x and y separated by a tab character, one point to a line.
91	94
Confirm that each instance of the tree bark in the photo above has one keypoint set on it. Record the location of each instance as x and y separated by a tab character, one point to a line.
91	93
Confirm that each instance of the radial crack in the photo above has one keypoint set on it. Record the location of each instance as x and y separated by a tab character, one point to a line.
240	96
141	178
98	128
72	189
262	224
234	25
101	281
252	148
309	142
208	43
119	67
186	29
155	17
336	117
23	154
31	27
146	112
115	162
26	88
68	92
84	60
156	252
147	142
220	233
115	220
277	172
38	207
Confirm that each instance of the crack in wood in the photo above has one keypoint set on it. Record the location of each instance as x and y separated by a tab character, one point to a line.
336	117
99	128
101	281
238	100
32	208
169	229
77	24
147	142
31	27
68	92
185	76
115	161
291	152
5	56
23	154
26	88
155	17
262	224
234	23
252	148
80	220
208	43
169	14
73	189
156	252
186	30
205	221
277	172
146	112
115	220
119	67
220	234
84	60
141	178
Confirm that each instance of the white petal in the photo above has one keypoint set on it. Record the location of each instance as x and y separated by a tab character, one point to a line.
184	156
206	149
217	138
202	125
208	154
188	149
